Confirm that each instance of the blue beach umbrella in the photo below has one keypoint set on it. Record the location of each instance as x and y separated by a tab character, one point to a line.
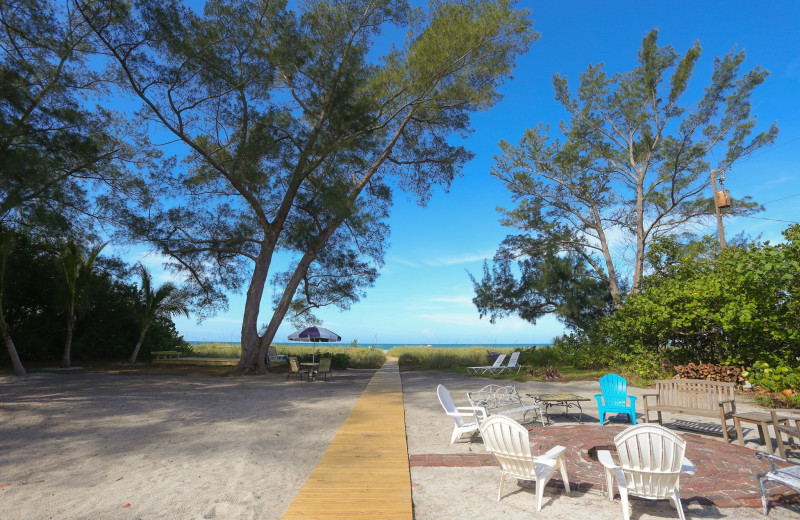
314	335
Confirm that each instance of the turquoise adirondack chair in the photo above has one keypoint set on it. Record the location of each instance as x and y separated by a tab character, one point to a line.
614	398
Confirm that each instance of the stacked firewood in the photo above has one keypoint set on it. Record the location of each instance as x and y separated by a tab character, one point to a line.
711	372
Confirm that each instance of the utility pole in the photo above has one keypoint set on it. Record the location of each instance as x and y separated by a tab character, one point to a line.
721	200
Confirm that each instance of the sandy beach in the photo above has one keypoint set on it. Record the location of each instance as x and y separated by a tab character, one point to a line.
106	446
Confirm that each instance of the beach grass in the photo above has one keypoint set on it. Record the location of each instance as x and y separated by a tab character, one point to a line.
358	357
217	350
427	358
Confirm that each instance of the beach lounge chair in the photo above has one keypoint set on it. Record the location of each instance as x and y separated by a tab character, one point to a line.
458	413
487	369
324	368
789	477
650	465
274	358
512	364
509	442
614	398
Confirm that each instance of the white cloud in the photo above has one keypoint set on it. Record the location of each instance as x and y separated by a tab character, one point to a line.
464	258
401	261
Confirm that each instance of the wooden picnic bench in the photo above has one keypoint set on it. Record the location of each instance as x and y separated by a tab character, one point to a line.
166	354
693	397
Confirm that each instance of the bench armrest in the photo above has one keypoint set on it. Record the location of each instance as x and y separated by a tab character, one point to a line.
773	458
646	398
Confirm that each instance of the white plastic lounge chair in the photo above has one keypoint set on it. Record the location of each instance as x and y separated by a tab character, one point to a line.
512	364
489	368
509	442
789	477
650	465
275	359
458	413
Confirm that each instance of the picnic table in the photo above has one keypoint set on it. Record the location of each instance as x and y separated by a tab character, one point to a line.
166	354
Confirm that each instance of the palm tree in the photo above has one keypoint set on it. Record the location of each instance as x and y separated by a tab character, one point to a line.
165	302
74	261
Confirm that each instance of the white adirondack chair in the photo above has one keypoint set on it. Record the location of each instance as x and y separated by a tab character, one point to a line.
508	441
488	368
459	413
650	465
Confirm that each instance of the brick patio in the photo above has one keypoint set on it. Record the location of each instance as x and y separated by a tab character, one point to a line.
725	472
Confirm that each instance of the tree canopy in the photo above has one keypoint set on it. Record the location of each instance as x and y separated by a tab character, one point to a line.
633	165
296	132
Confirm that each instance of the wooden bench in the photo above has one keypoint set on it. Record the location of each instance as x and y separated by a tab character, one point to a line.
693	397
166	354
502	400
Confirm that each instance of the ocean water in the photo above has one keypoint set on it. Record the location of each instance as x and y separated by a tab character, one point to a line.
387	346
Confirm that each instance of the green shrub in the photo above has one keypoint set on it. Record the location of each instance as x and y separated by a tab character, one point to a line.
539	356
775	377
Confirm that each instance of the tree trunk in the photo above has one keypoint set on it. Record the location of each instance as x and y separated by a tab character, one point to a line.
12	350
66	361
613	283
283	304
252	306
291	288
638	264
132	360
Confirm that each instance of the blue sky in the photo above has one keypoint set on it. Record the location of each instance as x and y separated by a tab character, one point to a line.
424	293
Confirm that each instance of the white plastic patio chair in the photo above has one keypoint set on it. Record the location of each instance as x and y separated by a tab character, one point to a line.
512	364
488	368
509	442
650	465
458	413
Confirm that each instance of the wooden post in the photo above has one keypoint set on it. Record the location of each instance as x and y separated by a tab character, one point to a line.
717	209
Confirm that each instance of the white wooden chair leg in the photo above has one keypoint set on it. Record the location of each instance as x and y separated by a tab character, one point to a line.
455	435
626	507
610	484
562	464
502	481
677	502
540	485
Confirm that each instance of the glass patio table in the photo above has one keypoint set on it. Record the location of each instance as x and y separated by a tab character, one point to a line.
566	400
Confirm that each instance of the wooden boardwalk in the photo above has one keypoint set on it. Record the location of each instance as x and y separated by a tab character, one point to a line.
364	473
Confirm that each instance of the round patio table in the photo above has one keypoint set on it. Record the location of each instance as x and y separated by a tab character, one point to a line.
310	367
